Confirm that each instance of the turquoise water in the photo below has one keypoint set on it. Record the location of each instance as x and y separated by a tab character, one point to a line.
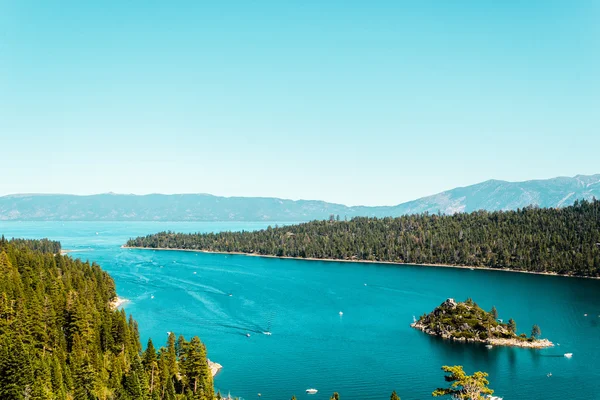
364	354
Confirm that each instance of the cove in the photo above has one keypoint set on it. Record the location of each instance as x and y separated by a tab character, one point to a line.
364	354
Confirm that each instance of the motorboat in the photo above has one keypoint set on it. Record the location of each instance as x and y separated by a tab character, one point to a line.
311	391
489	346
267	333
247	335
568	355
341	313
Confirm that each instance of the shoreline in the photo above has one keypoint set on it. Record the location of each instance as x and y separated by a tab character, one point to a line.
117	302
214	367
512	342
67	251
239	253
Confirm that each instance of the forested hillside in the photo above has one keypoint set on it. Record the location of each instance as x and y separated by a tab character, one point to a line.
60	338
564	241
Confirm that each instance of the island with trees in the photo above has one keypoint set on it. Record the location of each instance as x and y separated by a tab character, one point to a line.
466	321
541	240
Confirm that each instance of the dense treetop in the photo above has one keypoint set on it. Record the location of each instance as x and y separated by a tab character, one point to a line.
467	321
60	338
564	241
41	245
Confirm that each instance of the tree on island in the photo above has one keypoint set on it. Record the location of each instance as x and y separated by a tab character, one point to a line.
335	396
512	325
464	387
494	312
394	396
535	331
293	397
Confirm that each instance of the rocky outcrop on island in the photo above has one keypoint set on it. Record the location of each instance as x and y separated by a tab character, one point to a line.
466	321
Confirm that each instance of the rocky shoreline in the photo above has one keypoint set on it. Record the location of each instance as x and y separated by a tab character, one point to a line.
214	367
467	322
513	342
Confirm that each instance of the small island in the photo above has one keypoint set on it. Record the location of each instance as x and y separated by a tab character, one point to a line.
468	322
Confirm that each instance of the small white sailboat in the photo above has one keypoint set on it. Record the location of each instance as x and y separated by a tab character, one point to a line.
414	319
311	391
568	355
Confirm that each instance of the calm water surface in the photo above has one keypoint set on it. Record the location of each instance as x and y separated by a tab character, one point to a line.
364	354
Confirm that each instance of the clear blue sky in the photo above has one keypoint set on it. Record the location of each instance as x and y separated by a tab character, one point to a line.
358	102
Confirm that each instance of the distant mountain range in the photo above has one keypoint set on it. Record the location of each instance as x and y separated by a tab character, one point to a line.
490	195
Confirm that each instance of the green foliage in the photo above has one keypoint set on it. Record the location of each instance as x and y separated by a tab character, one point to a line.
463	386
394	396
512	325
494	312
535	331
60	339
335	396
466	321
561	241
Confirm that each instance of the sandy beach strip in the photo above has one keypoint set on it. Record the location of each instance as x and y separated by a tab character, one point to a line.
214	367
117	302
239	253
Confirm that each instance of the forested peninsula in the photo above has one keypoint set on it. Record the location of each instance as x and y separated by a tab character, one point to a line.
543	240
61	339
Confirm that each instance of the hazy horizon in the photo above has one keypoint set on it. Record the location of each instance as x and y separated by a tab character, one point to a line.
281	198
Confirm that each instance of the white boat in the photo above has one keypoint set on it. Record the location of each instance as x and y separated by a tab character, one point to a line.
568	355
341	313
490	397
152	296
311	391
414	320
549	374
247	335
267	333
489	346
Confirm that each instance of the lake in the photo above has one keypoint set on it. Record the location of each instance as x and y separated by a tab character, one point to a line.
365	353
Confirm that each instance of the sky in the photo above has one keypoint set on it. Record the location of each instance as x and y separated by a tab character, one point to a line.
354	102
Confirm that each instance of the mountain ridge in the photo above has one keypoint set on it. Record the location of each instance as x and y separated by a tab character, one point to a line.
490	195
